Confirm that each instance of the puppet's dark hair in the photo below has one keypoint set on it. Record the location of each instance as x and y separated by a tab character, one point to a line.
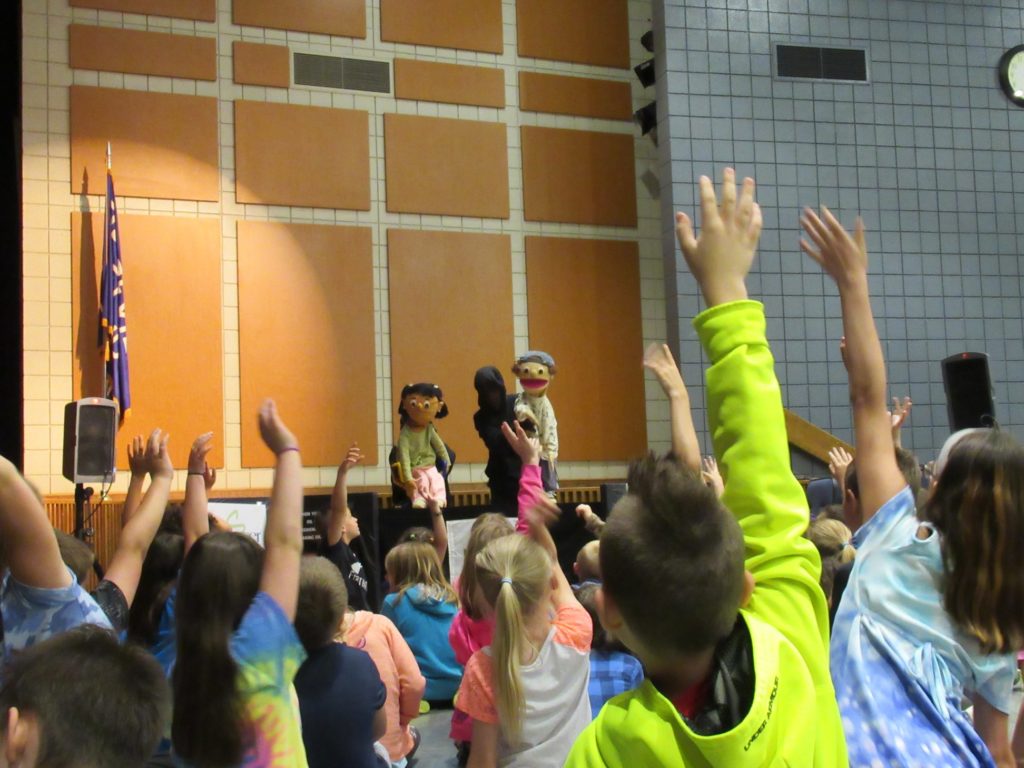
426	390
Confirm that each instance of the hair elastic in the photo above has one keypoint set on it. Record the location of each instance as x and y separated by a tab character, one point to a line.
506	580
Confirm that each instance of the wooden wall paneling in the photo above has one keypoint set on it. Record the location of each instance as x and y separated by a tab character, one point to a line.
449	83
198	10
259	64
142	53
306	337
164	145
444	166
344	18
470	25
581	31
594	332
287	154
172	284
583	96
450	301
578	177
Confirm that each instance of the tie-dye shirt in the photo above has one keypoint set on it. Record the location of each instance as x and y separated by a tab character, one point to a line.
268	654
34	614
900	665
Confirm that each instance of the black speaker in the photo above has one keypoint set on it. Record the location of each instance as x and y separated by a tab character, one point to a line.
610	495
90	426
969	398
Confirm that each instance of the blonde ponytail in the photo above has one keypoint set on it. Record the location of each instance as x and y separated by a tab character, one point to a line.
514	574
507	646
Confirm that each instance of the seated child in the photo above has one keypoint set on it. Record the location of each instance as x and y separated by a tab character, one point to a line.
422	605
39	595
398	670
934	611
527	691
719	598
338	532
473	626
613	670
341	696
588	564
82	700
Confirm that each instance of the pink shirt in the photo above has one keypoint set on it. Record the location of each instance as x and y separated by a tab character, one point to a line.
398	670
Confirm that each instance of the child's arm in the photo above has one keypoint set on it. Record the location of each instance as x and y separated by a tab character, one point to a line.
32	553
484	752
282	537
126	566
658	359
993	727
195	520
531	486
543	513
591	521
339	496
1018	739
137	465
438	528
839	459
845	259
898	417
748	425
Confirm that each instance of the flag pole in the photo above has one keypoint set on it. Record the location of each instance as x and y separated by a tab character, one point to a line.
103	272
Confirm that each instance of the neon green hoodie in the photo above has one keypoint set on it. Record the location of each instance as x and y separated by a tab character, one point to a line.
794	718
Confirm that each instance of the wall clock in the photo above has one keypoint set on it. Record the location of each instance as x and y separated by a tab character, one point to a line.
1011	74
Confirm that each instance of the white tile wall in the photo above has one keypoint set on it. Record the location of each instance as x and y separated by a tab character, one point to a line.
48	204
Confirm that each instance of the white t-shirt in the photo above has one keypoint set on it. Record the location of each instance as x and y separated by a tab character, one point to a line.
554	688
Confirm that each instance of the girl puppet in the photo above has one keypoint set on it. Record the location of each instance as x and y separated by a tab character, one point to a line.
420	447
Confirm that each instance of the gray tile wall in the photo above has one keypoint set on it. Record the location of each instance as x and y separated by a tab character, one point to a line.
930	152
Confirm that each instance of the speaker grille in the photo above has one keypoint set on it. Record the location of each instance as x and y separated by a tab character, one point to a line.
339	72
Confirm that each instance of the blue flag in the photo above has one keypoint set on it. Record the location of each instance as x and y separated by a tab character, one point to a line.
114	328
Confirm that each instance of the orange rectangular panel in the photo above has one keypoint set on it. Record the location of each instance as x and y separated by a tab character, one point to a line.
580	31
259	64
583	96
449	83
173	307
306	337
469	25
443	166
164	145
595	334
199	10
344	18
142	53
428	277
287	154
578	177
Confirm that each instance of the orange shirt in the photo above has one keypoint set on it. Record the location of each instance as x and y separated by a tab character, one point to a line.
398	670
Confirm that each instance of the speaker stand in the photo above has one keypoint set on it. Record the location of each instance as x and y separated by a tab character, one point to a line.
82	496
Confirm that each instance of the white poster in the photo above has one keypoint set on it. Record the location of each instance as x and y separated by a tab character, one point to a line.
248	517
458	537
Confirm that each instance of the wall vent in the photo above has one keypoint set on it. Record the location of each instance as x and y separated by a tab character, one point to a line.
812	63
338	72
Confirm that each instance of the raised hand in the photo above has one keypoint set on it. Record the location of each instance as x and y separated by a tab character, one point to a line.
900	411
197	454
353	457
275	434
721	257
659	361
838	460
209	477
137	456
526	447
712	477
842	256
158	462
